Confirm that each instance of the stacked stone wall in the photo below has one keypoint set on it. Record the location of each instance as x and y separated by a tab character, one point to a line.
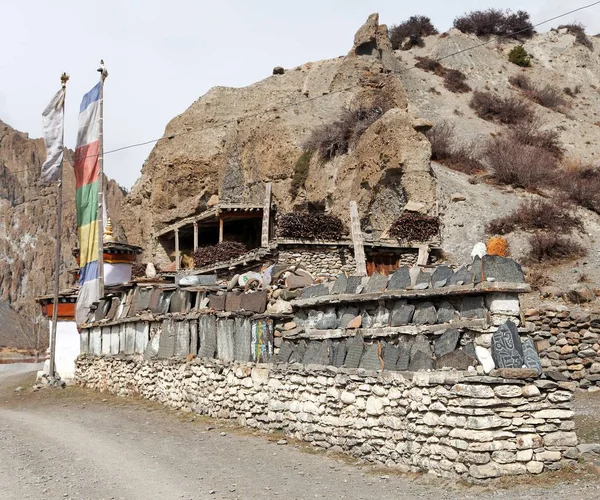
568	344
321	260
450	423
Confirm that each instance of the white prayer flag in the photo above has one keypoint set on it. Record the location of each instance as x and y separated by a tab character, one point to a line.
53	121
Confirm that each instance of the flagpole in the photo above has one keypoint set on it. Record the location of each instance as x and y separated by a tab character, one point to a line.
103	75
64	78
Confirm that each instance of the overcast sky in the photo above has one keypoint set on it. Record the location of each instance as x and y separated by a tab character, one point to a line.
163	55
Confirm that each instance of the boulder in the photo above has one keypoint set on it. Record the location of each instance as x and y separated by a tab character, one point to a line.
579	293
298	279
278	70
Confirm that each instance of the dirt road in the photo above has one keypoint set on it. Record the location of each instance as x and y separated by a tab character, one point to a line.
74	443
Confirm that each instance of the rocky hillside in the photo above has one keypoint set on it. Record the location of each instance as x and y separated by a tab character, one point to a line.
231	141
28	218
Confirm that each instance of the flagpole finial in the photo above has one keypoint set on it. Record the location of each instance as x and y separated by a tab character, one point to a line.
102	70
64	78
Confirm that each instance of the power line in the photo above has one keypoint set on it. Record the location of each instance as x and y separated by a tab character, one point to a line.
278	108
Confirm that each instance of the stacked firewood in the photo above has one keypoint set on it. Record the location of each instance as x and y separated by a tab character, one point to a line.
307	225
412	226
226	250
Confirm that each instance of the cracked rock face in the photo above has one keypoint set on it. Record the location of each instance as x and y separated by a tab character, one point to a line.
236	140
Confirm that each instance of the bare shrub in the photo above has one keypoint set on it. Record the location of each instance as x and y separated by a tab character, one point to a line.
414	29
430	65
536	215
507	110
518	164
301	169
521	82
452	152
412	226
582	186
532	134
455	81
496	22
578	30
547	96
552	247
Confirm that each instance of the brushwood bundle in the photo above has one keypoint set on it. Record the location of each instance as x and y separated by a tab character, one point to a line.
415	227
307	225
226	250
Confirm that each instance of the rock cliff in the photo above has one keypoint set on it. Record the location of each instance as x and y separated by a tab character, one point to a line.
230	142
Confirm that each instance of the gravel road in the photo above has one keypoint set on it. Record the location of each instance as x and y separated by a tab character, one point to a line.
77	444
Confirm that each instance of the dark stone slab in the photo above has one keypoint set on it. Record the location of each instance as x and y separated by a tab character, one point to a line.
339	353
242	339
440	276
423	281
182	339
299	279
154	300
458	360
446	312
376	284
469	348
166	346
353	283
285	352
420	361
194	337
507	351
112	310
462	276
298	352
254	302
477	270
502	269
322	320
404	349
402	314
233	301
346	315
317	353
102	309
290	294
556	376
225	339
446	342
425	314
473	306
180	301
367	319
370	359
315	291
381	318
400	280
339	285
390	356
207	333
164	302
262	341
216	302
355	350
530	354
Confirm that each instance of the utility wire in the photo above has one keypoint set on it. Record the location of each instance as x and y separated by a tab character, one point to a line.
279	108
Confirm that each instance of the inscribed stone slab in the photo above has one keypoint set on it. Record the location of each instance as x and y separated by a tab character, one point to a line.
155	300
84	342
225	339
420	361
502	269
254	302
440	276
370	359
102	309
182	338
166	347
404	348
340	349
105	350
376	284
446	312
458	360
180	301
153	345
233	301
400	280
346	315
216	302
462	276
242	339
423	281
143	299
262	341
446	342
113	308
141	337
340	285
128	347
355	350
473	306
425	314
477	270
164	302
353	283
207	333
390	356
322	320
96	341
298	352
285	352
314	291
507	351
194	337
402	314
115	339
317	353
530	354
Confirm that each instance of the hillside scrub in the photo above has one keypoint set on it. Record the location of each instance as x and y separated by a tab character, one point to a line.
497	23
519	56
412	226
519	165
507	110
452	152
547	96
548	247
412	31
300	172
455	81
578	30
582	186
430	65
536	215
532	134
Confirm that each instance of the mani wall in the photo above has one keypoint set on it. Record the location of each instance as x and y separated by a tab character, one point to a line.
431	370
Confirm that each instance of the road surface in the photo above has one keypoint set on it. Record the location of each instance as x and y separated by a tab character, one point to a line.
77	444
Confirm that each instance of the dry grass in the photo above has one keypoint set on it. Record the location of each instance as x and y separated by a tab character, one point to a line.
578	30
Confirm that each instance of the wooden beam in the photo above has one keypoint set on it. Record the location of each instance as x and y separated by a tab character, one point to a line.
357	241
220	228
264	241
423	256
177	256
195	236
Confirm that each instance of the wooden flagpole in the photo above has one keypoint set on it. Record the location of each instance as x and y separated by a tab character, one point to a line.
103	75
64	78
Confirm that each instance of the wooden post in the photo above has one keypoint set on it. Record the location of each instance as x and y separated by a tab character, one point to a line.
357	240
177	256
264	240
423	256
103	75
220	229
195	236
